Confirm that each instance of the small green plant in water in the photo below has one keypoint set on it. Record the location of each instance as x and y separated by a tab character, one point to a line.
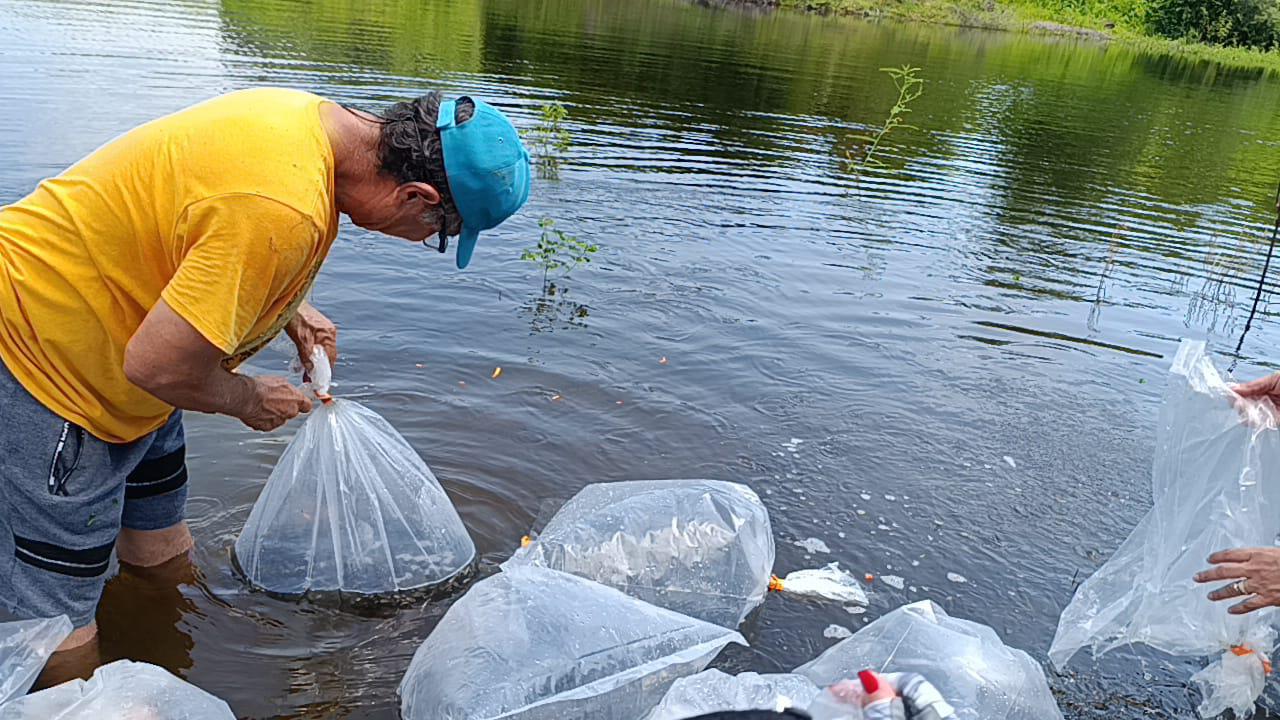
910	86
549	139
558	251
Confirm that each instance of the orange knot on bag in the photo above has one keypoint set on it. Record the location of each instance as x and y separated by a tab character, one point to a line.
1241	651
775	583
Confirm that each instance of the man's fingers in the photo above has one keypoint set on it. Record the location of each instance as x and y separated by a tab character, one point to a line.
1228	571
1261	386
1234	555
1226	592
1253	602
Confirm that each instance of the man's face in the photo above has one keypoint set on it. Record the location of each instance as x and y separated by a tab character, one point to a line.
411	211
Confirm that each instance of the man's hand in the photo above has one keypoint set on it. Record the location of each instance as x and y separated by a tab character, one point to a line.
170	359
274	402
309	328
1256	576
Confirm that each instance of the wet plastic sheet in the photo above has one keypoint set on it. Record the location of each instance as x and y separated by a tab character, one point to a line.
351	507
123	690
972	668
1214	487
700	547
714	691
536	644
25	646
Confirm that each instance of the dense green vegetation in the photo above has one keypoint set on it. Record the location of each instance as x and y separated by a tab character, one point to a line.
1235	32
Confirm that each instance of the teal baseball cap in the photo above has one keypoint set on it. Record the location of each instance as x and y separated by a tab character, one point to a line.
487	168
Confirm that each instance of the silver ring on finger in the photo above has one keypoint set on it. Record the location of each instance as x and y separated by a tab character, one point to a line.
1238	587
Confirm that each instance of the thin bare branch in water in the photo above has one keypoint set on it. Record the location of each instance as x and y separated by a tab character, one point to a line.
1100	294
1262	279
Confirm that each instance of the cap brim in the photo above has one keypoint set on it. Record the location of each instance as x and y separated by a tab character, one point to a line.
466	245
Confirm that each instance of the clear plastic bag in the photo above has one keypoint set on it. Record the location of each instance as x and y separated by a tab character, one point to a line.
536	644
351	507
700	547
828	582
980	676
122	690
714	691
1214	487
25	646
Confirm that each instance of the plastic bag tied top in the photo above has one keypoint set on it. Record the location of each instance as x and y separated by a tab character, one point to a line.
714	691
122	689
536	644
25	646
351	507
700	547
980	676
1214	487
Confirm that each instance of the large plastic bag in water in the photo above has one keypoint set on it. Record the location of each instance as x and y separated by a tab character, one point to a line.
980	676
700	547
714	691
123	690
1214	487
351	507
25	645
536	644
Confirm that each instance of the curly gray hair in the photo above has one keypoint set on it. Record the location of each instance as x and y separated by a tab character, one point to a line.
409	150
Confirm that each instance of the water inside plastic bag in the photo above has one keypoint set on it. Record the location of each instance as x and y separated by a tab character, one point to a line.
536	644
714	691
351	507
700	547
971	667
1214	487
25	646
122	690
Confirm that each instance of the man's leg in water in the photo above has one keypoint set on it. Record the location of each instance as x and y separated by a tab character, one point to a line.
154	528
62	493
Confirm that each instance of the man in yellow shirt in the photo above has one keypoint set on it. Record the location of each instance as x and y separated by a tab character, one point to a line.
134	283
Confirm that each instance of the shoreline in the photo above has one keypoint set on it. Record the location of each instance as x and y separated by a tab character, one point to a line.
1022	16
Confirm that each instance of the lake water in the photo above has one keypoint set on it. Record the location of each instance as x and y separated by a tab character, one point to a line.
864	349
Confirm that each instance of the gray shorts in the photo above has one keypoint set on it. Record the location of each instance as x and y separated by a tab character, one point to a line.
64	495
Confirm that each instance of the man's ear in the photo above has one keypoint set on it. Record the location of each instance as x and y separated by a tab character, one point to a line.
411	191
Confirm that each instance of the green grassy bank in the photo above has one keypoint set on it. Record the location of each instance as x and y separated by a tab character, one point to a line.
1120	21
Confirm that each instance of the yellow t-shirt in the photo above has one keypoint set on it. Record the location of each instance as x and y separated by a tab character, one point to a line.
225	210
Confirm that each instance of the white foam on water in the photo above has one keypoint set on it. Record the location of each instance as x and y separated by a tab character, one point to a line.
813	545
837	632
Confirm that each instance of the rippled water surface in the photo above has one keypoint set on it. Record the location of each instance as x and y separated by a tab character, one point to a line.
864	351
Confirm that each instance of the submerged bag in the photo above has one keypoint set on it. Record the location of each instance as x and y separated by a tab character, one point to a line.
25	646
714	691
536	644
1214	487
125	690
980	676
351	507
700	547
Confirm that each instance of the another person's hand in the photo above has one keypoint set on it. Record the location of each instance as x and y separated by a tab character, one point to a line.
884	696
1267	387
272	402
1255	573
309	328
